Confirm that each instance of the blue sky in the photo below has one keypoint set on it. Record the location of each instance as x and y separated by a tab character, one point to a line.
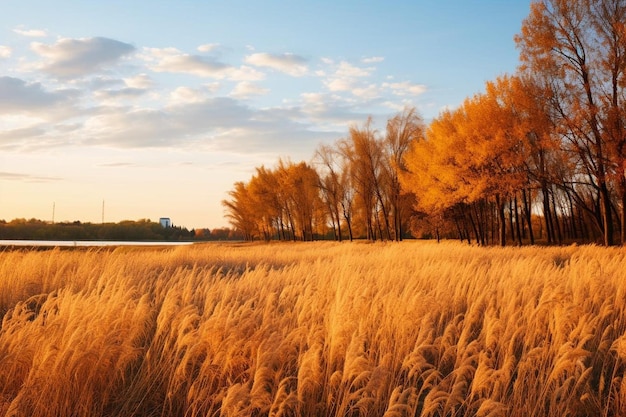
158	107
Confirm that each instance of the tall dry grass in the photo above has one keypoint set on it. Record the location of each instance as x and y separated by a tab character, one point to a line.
320	329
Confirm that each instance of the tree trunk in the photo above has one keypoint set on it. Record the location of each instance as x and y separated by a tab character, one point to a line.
458	229
466	229
607	217
397	221
385	214
547	213
528	214
339	234
348	219
501	219
511	220
517	222
555	218
480	239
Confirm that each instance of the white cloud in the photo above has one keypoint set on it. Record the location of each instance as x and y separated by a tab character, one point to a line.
113	90
293	140
78	57
156	54
99	83
122	93
173	60
245	89
115	110
345	77
186	95
405	88
67	127
216	124
373	59
330	112
208	47
314	102
314	98
288	63
368	92
339	84
245	73
348	70
17	96
139	81
5	52
31	33
397	106
192	64
13	137
29	128
178	125
213	87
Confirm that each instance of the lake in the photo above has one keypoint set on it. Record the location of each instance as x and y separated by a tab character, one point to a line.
83	243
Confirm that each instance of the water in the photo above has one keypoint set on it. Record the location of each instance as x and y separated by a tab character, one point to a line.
84	243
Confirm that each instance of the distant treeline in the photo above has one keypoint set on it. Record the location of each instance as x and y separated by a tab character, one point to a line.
141	230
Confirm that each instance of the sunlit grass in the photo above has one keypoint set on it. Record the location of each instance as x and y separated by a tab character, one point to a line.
313	329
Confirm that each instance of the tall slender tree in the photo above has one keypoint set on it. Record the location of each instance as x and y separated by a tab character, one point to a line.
402	130
331	185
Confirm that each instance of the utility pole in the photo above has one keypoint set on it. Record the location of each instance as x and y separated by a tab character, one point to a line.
102	211
53	204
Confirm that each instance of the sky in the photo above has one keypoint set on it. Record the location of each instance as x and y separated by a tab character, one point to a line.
128	110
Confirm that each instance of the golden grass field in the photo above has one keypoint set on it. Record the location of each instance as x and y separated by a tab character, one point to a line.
314	329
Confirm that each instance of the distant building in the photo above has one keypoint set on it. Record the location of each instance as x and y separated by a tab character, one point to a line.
165	222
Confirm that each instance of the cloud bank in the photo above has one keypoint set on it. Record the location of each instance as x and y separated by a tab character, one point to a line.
79	57
99	91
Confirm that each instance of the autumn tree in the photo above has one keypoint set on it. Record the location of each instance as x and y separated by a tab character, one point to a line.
402	130
434	171
364	151
240	211
473	158
517	131
529	102
269	207
336	187
299	184
578	48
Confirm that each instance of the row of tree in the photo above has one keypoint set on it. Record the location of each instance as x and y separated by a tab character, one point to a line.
351	189
539	155
141	230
